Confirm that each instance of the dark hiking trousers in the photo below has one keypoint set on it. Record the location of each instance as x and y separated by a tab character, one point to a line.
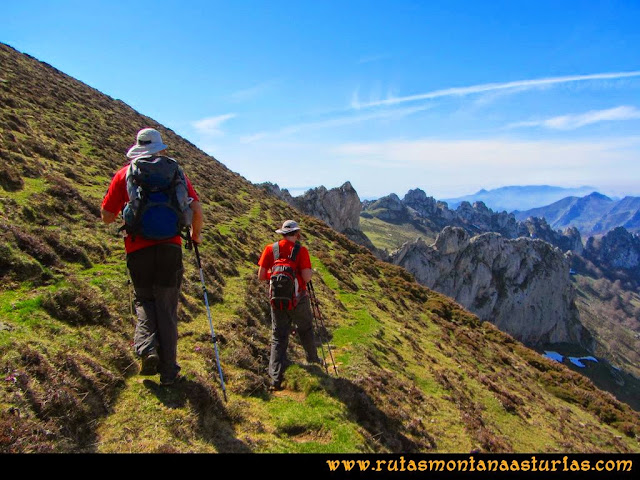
281	321
156	273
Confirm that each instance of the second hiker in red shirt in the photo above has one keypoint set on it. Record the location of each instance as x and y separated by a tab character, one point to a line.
287	267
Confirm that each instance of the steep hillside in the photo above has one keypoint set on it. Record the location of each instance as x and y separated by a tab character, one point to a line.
417	372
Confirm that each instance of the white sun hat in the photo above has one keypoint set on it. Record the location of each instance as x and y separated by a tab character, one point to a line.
288	227
148	142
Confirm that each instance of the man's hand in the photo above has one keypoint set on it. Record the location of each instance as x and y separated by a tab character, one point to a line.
108	217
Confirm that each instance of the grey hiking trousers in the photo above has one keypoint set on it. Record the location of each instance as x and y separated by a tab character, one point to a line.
281	321
156	273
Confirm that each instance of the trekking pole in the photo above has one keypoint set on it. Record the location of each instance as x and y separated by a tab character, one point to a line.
213	335
315	319
314	302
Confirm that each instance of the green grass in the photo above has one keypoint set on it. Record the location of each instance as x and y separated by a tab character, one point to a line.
15	306
390	236
313	423
361	326
32	186
328	279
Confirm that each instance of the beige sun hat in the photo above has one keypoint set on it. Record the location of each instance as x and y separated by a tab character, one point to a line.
288	227
148	142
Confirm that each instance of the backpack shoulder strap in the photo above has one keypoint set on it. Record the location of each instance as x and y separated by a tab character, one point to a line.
294	252
276	251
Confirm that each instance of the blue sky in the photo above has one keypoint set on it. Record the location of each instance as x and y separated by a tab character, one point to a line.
447	96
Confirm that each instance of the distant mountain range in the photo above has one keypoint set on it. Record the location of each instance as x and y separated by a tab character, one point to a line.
592	214
519	197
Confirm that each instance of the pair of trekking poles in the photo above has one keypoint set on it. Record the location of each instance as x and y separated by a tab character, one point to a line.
319	321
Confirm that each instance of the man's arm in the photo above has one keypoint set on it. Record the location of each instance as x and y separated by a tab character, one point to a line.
263	274
196	222
306	274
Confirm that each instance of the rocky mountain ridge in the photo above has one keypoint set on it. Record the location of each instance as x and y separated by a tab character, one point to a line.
433	216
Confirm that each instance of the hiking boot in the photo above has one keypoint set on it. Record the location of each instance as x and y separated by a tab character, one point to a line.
317	360
168	381
150	363
275	386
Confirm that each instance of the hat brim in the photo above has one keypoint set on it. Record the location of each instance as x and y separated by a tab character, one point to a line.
139	150
287	231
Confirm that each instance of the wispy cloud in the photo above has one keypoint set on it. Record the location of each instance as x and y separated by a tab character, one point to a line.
492	87
210	126
252	92
574	121
336	122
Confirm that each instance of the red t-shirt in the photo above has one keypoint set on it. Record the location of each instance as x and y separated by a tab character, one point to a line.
302	259
116	199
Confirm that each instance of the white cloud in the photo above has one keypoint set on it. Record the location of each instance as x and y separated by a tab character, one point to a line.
446	167
335	122
210	126
492	87
573	121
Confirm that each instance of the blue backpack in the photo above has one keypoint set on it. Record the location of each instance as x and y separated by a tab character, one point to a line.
158	206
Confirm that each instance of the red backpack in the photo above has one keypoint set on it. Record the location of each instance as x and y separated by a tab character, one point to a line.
283	284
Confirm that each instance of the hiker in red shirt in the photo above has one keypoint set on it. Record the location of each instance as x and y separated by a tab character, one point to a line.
287	266
155	266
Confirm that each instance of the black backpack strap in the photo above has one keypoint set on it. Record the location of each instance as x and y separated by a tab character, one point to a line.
276	251
294	252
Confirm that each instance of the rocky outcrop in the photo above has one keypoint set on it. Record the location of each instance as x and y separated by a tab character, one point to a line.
389	208
339	207
274	189
569	240
522	286
618	249
424	206
479	218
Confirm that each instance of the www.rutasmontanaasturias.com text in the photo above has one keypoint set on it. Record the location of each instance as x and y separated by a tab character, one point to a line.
481	465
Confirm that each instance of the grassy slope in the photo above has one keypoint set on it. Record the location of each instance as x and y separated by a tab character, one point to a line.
417	372
391	236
